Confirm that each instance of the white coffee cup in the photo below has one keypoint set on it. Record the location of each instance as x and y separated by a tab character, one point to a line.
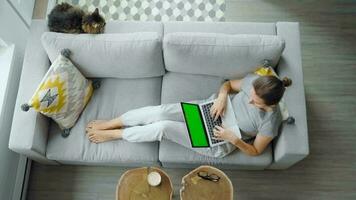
154	178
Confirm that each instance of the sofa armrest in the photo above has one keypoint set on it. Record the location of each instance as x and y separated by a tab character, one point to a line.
30	129
292	144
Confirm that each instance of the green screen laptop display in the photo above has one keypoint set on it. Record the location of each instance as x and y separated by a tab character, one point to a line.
195	125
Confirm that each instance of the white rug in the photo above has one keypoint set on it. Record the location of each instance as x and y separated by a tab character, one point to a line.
156	10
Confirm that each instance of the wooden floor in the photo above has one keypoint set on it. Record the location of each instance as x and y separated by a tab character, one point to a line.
328	32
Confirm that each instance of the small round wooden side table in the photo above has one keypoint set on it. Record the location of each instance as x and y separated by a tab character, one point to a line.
133	185
197	188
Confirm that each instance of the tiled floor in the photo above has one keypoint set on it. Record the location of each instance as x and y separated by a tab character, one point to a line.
149	10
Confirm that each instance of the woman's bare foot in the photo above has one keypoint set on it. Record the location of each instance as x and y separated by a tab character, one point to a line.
104	124
98	136
97	125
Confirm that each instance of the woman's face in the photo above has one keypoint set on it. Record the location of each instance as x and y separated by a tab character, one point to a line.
256	100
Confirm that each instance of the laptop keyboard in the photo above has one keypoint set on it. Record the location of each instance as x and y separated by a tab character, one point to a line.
210	123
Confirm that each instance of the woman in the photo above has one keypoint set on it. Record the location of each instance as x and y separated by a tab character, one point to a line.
255	107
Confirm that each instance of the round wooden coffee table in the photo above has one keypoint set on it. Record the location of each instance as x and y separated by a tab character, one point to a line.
197	188
133	185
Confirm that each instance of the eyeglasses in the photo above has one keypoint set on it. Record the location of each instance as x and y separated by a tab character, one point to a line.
210	177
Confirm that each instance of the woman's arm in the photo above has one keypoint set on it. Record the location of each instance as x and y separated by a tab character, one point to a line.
227	87
258	146
230	86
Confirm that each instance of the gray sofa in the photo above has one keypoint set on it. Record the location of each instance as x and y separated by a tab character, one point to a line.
39	139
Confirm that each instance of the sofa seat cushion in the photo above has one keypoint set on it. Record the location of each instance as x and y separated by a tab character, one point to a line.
114	97
176	156
177	87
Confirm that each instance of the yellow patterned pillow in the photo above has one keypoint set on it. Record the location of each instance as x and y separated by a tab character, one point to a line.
63	93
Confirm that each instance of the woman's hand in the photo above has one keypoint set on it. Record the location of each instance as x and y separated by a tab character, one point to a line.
224	134
218	108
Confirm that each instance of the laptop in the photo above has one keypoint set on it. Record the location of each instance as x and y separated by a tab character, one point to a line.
200	124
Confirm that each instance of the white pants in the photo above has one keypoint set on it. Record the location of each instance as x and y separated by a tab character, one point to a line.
152	123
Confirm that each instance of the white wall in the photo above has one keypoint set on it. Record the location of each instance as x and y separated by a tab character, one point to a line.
24	8
12	30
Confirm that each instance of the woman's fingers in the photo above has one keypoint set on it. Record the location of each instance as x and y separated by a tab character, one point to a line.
216	115
217	111
213	114
212	111
219	128
217	135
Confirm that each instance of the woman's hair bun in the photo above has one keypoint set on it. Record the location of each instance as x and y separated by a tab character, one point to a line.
286	82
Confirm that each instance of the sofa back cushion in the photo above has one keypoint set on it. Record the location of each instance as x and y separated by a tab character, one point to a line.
218	54
121	55
220	27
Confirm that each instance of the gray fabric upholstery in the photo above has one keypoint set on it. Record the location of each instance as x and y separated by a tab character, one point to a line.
110	55
29	129
177	87
292	144
114	97
223	55
31	135
174	155
221	27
